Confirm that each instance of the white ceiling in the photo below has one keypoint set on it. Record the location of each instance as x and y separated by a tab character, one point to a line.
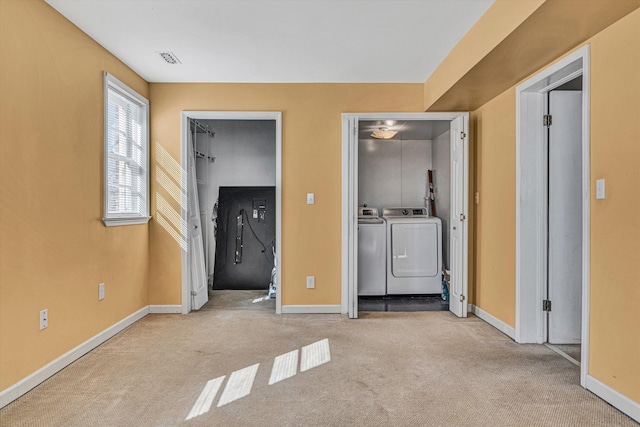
278	41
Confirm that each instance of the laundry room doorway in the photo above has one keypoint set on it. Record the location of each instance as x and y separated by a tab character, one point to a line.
231	210
390	190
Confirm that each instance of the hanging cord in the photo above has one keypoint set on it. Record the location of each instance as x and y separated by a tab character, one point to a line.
214	219
264	248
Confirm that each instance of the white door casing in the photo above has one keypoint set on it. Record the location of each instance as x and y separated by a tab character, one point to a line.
351	159
198	274
565	217
185	211
531	200
458	223
350	193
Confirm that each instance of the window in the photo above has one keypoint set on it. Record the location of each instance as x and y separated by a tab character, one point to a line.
126	154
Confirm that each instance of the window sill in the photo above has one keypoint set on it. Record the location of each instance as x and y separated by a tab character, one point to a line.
113	222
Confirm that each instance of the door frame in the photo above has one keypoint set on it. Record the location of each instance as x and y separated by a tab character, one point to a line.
350	192
531	199
230	115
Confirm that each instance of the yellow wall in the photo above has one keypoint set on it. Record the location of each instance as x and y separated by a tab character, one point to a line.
494	126
615	223
54	248
312	140
497	23
510	41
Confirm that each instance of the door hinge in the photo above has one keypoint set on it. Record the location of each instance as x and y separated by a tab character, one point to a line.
546	120
546	305
462	217
463	135
462	298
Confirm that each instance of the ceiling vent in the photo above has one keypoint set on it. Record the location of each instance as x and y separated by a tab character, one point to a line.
169	57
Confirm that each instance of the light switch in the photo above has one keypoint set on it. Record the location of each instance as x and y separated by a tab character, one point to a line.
599	189
311	199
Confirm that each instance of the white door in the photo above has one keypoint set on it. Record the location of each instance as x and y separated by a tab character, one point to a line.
459	213
198	274
565	217
352	202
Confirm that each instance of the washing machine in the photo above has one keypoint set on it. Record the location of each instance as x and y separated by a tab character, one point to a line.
414	251
372	253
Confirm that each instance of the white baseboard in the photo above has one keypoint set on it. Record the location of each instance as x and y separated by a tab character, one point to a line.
311	309
614	398
493	321
10	394
163	309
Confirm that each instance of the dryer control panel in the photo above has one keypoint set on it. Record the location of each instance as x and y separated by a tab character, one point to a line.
405	212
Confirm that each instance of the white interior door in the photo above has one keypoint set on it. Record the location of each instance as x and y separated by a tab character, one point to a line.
198	274
459	213
352	160
565	217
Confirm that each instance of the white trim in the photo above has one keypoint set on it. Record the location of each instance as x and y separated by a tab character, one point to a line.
531	223
345	217
613	397
312	309
349	197
111	82
231	115
10	394
165	309
586	214
111	222
492	320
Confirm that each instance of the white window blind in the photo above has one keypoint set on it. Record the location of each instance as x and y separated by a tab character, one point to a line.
126	154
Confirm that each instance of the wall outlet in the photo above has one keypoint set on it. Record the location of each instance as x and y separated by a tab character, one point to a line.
311	282
101	291
44	318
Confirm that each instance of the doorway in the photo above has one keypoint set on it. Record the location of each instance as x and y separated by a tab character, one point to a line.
563	303
457	228
228	179
552	207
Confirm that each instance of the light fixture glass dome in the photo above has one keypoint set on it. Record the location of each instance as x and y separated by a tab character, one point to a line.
383	133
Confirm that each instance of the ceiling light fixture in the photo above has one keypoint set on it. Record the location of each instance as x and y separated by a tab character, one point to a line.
383	133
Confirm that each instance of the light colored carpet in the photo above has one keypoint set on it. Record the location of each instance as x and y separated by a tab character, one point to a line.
386	369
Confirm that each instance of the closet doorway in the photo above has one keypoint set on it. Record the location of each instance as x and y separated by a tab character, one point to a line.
457	215
232	208
553	207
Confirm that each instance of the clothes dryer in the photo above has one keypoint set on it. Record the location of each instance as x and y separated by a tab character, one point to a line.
414	251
